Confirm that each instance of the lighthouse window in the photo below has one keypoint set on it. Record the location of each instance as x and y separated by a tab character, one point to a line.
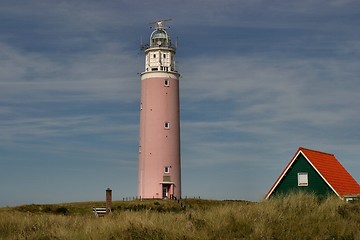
166	125
166	83
164	55
166	169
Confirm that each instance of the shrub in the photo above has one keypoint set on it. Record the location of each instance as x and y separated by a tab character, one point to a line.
62	210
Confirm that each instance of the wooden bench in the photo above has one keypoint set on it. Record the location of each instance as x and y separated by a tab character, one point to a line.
100	212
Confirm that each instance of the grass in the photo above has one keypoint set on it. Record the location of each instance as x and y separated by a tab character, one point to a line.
295	216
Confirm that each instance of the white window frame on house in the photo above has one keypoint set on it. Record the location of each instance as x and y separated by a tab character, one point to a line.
303	180
166	125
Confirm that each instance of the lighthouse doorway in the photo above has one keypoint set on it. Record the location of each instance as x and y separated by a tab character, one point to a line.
166	191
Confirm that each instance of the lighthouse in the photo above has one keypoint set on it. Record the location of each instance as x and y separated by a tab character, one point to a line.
159	170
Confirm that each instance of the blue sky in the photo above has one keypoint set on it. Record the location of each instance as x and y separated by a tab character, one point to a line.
258	80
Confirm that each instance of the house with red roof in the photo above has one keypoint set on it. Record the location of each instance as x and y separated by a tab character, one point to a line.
317	172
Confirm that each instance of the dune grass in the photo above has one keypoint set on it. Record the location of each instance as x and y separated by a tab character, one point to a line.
295	216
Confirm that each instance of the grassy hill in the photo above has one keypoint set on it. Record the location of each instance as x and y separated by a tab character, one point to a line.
296	216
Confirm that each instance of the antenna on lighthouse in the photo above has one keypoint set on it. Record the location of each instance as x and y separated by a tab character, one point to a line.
160	23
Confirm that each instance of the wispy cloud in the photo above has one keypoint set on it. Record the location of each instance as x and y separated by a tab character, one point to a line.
108	74
239	103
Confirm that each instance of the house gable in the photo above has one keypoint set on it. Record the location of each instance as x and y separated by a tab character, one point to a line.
322	166
289	180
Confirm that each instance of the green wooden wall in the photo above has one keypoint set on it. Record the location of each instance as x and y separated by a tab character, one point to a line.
290	181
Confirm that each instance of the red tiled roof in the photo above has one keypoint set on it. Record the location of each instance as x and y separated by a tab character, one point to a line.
330	169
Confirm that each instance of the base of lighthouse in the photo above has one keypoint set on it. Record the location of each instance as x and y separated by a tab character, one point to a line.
159	146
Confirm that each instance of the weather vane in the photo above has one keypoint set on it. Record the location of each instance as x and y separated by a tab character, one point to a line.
160	23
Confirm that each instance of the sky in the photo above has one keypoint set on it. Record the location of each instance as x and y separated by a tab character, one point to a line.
258	80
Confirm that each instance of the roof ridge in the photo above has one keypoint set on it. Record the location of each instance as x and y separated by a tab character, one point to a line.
302	148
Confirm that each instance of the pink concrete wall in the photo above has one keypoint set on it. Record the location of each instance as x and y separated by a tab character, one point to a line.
159	147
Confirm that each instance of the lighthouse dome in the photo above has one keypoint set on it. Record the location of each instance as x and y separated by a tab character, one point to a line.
159	38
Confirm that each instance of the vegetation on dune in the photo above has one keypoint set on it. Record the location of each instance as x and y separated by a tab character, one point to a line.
294	216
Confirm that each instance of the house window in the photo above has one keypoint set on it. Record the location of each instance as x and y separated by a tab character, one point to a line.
166	169
166	125
303	179
166	83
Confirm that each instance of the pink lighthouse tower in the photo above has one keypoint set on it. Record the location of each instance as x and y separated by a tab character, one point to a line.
159	146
